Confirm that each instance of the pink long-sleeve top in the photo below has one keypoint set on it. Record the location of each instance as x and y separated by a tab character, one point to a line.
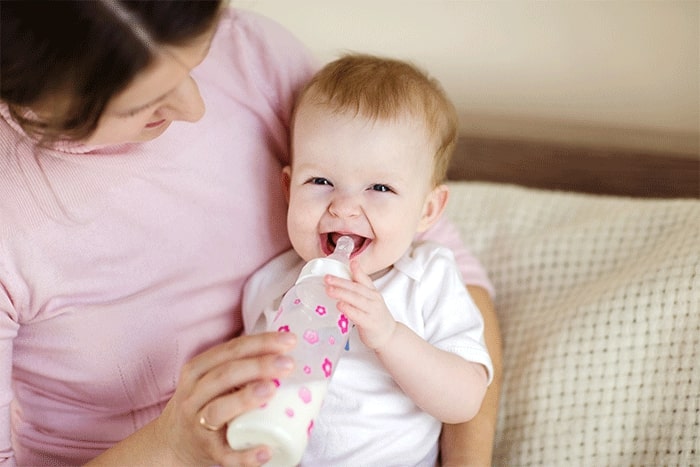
118	264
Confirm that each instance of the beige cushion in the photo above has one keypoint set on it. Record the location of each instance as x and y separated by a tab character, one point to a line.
598	300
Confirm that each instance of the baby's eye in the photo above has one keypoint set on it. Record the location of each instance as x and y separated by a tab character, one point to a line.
381	188
319	181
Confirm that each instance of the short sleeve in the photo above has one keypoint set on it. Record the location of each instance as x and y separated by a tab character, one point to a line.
451	320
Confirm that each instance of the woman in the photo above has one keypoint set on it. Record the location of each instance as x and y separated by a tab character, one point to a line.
130	220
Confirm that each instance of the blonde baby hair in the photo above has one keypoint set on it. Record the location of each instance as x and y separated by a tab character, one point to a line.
385	89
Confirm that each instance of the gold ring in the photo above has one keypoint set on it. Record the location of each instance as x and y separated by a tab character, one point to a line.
207	426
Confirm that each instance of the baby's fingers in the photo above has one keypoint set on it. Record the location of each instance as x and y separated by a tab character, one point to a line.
359	275
349	291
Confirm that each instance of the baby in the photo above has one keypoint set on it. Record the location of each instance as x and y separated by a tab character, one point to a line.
371	141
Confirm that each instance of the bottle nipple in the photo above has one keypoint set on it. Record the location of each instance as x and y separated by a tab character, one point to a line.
343	249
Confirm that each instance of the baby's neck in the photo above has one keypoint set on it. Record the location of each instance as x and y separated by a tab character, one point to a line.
379	274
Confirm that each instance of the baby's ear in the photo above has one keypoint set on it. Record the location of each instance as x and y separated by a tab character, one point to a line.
434	206
286	180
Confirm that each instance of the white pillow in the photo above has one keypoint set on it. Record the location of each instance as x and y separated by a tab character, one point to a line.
598	301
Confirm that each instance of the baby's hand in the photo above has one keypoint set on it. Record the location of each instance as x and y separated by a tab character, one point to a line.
362	303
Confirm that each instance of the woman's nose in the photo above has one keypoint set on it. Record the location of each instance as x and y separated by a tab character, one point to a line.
185	103
344	205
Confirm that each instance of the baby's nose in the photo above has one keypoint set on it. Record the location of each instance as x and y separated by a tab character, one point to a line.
345	206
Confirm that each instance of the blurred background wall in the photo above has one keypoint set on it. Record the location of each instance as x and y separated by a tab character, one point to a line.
617	73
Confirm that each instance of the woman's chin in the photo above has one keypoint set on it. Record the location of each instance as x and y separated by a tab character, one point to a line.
149	134
155	131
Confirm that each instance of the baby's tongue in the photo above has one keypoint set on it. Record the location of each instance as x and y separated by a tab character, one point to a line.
356	239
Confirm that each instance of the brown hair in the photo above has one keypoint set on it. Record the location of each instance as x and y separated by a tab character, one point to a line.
384	89
76	55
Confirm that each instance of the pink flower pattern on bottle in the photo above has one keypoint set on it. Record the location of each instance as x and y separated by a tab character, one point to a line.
343	324
311	336
305	394
327	368
324	340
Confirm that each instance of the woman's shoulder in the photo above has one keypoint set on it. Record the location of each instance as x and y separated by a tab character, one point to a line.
255	25
260	41
255	60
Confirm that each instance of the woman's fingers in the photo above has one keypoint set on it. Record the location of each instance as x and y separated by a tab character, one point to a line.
237	373
252	457
215	387
227	457
239	348
251	390
231	378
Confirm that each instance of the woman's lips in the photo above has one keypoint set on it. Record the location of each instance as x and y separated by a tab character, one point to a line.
155	124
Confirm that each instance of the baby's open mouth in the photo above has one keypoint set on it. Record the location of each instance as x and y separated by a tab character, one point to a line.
328	242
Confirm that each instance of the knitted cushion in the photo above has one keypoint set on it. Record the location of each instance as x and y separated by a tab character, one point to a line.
598	300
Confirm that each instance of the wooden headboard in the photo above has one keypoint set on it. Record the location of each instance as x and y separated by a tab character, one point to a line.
557	166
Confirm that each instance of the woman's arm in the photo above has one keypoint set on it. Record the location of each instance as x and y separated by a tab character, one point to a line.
471	443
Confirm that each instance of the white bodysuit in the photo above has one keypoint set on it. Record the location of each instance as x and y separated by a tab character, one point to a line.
366	419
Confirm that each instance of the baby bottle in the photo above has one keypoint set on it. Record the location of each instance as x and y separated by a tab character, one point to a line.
286	421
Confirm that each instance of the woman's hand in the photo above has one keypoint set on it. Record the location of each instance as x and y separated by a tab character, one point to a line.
217	386
214	388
